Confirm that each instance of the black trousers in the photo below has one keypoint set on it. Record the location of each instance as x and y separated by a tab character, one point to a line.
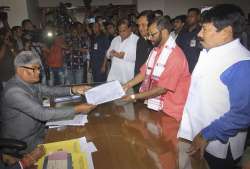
217	163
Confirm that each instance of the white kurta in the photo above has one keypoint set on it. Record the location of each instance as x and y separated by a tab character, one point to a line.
208	97
123	69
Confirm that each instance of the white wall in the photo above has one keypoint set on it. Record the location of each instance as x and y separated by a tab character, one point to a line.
18	11
34	11
151	5
177	7
53	3
170	7
114	2
21	9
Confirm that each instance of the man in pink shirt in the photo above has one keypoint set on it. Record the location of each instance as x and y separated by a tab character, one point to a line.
165	75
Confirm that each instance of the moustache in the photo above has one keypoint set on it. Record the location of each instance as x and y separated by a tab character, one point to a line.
200	39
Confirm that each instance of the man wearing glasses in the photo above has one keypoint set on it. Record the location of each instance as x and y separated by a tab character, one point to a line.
165	75
23	115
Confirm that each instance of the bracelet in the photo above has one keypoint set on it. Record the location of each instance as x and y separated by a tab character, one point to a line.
27	160
21	164
71	91
132	96
129	86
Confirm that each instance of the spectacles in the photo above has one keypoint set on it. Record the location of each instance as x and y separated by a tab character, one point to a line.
152	34
31	68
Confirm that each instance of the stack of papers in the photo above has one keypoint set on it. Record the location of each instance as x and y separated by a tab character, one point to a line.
78	120
79	150
67	98
104	93
46	102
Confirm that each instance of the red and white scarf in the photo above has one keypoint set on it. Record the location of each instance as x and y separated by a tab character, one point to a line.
154	70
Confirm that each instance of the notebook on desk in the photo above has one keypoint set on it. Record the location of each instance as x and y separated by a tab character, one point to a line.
58	160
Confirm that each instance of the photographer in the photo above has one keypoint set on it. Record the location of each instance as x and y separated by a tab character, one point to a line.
17	34
30	32
33	41
7	54
55	57
76	57
4	17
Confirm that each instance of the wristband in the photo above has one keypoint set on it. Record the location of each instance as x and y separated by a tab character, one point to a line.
132	96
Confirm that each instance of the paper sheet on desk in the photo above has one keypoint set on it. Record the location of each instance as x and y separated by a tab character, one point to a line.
105	93
78	120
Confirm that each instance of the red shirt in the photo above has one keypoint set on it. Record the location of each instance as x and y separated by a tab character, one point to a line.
176	79
55	57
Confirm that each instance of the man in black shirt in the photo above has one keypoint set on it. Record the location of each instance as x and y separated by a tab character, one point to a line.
111	31
144	46
99	46
187	38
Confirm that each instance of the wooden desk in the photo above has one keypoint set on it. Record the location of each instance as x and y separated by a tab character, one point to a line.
127	137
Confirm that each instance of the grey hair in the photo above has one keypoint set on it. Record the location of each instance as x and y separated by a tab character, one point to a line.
26	58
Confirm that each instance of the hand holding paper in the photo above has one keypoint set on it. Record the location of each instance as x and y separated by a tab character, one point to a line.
80	89
84	108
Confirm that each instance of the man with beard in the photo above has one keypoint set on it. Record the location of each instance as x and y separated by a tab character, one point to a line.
165	75
187	38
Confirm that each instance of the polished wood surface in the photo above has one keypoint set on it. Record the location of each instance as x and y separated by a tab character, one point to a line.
127	136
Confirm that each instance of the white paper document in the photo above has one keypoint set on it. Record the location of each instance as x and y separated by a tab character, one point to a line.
104	93
78	120
90	148
66	98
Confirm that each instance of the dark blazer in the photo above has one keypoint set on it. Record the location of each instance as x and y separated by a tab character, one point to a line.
14	166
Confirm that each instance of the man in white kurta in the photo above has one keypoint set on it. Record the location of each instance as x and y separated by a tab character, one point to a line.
122	52
211	93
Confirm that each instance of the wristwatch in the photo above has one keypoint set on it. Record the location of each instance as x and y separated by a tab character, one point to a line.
132	96
72	91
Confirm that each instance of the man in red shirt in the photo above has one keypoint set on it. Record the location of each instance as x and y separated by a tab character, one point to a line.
55	61
165	75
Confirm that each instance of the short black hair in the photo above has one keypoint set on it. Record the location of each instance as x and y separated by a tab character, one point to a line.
3	33
77	23
108	23
25	21
163	23
15	28
182	18
168	17
124	21
224	15
149	14
197	10
159	12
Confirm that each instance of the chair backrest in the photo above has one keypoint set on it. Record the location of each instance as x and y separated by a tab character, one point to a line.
12	147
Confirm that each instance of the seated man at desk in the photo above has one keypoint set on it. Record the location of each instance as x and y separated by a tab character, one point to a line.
23	115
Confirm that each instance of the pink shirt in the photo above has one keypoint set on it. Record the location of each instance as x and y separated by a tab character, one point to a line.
176	79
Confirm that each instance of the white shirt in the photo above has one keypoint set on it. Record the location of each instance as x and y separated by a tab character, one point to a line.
208	97
123	69
174	35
